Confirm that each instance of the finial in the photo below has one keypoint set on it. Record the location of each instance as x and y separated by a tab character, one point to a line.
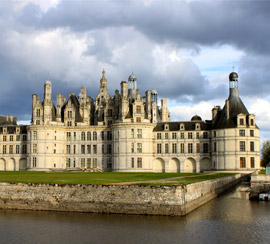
132	70
48	75
233	68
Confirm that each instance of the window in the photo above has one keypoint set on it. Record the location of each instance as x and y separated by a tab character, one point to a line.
197	147
102	136
88	136
241	121
205	148
10	149
34	135
38	112
11	138
82	162
197	135
74	135
4	149
132	133
139	162
252	162
18	138
109	135
251	132
69	114
68	149
138	120
82	149
158	136
174	135
37	122
159	148
17	149
95	149
138	109
215	146
242	146
54	151
68	136
139	147
242	133
94	162
215	134
182	135
205	135
83	136
88	149
109	112
139	133
242	162
34	162
252	146
189	135
174	148
68	162
182	148
74	149
24	149
166	135
132	147
69	123
109	149
166	148
94	135
132	162
34	148
4	138
252	122
88	163
190	148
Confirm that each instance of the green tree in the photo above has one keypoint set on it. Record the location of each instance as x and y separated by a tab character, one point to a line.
265	153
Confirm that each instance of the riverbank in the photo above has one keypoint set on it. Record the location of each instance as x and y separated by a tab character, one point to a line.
124	199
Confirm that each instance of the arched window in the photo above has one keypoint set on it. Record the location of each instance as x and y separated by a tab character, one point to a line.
94	135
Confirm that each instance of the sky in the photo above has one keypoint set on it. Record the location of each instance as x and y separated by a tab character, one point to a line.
184	49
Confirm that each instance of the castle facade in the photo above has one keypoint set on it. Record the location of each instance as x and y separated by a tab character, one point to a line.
128	132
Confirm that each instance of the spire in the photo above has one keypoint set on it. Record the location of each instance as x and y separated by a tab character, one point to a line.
103	81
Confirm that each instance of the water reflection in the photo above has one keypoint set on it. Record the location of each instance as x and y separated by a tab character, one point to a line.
230	218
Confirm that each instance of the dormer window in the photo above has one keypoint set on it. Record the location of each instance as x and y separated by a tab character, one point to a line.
241	122
252	122
166	127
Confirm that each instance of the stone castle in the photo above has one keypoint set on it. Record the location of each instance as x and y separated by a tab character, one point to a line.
128	132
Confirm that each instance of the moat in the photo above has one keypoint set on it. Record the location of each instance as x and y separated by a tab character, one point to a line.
230	218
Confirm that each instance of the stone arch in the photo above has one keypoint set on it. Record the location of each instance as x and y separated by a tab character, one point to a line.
22	164
2	164
190	165
159	165
174	165
205	164
11	164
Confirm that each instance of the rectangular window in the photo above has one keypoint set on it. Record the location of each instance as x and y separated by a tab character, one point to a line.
34	162
174	148
68	149
38	113
34	135
159	148
82	149
4	149
205	148
68	162
88	136
166	136
242	133
215	134
88	149
10	149
109	149
132	147
74	149
102	149
139	133
74	136
94	162
166	148
68	136
138	119
182	148
241	121
189	135
11	138
37	122
251	122
205	135
252	146
109	135
82	162
158	136
102	136
215	146
94	135
190	148
251	132
88	163
17	149
138	109
182	135
139	147
197	147
4	138
95	149
132	162
242	146
242	162
24	149
34	148
18	138
174	135
139	162
132	133
83	136
252	162
69	114
109	112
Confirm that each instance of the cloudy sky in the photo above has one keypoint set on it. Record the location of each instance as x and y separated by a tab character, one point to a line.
185	49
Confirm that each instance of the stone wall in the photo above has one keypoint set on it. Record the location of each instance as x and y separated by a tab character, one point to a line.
259	184
124	199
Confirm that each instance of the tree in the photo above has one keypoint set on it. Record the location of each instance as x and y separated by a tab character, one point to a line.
265	153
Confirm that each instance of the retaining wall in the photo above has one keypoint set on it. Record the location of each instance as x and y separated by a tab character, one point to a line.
259	184
123	199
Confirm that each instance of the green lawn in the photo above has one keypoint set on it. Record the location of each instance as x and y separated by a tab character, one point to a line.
262	172
82	177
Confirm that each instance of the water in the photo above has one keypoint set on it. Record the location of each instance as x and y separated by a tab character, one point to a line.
230	218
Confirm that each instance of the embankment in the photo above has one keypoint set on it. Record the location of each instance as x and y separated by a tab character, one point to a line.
123	199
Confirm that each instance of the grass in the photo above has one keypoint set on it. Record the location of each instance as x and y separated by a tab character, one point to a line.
262	172
186	180
83	177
